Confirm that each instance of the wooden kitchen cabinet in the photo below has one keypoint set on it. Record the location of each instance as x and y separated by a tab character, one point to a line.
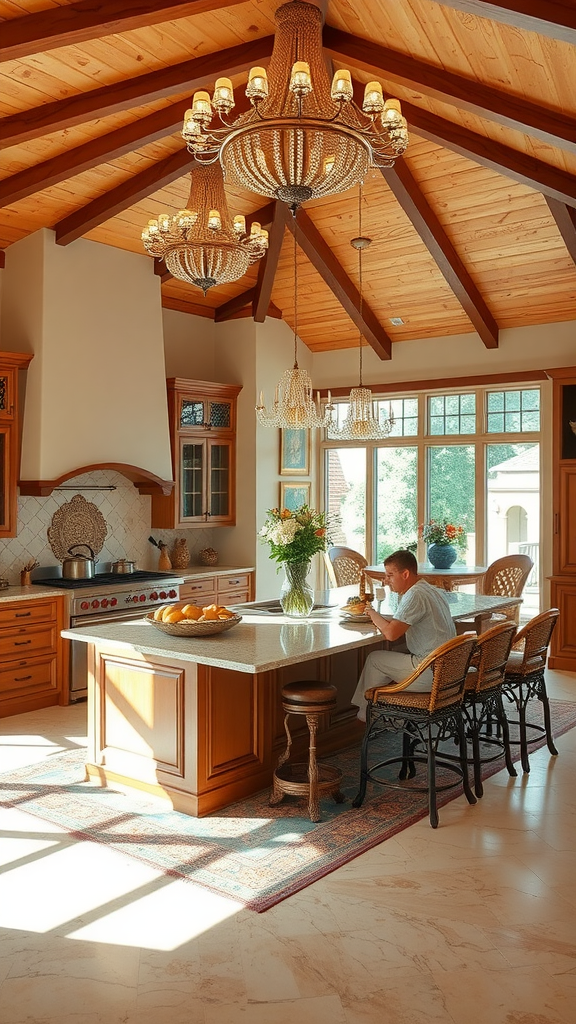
203	440
563	580
223	588
32	655
10	364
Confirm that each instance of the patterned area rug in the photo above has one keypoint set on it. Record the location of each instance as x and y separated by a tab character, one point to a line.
251	852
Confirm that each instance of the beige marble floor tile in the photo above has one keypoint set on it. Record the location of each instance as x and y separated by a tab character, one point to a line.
320	1010
520	996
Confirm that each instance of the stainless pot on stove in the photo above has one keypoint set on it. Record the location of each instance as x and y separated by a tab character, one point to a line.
123	565
79	566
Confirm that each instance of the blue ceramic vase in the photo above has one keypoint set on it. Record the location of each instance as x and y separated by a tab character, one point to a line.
442	556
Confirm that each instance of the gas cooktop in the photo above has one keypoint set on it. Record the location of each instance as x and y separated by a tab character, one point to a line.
105	579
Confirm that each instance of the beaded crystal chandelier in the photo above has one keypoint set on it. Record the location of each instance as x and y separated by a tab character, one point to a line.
202	244
294	404
360	423
303	137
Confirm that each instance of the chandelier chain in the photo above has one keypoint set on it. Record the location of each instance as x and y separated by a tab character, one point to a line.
360	273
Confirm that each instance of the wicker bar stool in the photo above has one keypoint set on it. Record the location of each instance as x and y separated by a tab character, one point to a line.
312	699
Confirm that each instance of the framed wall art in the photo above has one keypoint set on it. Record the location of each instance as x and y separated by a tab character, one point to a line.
294	452
293	495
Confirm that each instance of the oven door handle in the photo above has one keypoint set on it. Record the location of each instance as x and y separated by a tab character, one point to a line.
95	620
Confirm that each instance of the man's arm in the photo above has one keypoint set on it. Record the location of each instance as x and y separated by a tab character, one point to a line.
391	629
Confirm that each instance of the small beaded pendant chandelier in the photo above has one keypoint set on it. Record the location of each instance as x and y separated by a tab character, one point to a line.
360	423
294	404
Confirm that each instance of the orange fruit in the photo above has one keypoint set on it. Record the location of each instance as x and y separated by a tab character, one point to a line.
174	616
191	611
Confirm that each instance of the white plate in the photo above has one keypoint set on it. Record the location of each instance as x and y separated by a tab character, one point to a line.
357	618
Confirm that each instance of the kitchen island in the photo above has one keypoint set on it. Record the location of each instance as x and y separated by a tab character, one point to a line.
199	721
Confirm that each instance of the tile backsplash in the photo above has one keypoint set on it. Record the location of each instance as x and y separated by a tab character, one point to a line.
127	515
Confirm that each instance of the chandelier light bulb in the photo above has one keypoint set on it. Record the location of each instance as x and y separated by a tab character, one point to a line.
257	88
342	86
300	81
223	98
373	99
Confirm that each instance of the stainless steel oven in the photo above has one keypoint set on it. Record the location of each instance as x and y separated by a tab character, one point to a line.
108	597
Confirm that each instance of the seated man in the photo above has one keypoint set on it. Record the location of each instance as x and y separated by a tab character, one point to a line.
422	617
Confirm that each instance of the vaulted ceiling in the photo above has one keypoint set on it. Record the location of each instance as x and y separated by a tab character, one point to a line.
474	229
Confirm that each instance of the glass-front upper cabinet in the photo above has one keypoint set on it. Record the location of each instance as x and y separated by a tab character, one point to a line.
205	483
203	438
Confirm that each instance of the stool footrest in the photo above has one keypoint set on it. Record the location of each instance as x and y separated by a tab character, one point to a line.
292	778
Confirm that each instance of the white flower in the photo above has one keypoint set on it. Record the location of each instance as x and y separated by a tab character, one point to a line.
284	532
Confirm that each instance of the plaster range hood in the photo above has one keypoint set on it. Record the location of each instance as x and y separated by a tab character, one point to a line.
96	389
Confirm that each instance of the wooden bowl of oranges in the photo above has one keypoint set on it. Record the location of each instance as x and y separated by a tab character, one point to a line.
192	620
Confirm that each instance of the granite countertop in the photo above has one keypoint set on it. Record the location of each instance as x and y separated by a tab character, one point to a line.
17	593
262	642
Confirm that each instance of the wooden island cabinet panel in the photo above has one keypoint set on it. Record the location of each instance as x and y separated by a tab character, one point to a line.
32	655
214	734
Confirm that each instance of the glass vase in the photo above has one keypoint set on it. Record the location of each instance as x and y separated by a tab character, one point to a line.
296	595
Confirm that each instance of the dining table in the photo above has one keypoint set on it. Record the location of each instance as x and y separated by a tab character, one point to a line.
448	579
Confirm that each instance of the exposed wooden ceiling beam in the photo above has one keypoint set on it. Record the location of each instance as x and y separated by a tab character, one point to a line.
323	259
516	112
131	191
98	103
551	181
91	154
555	18
269	264
161	270
183	306
234	305
565	218
74	23
437	242
2	259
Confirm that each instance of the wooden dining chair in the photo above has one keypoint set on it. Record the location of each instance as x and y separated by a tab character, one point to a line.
482	704
424	721
524	679
344	566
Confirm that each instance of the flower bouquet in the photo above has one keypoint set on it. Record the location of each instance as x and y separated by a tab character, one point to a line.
294	536
443	539
443	532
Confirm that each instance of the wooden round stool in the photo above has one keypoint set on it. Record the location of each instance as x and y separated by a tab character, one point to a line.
298	779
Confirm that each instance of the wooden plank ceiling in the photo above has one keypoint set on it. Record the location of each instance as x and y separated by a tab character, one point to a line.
474	229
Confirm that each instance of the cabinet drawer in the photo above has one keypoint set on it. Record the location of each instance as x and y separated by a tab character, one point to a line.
228	584
26	642
237	597
198	588
38	676
25	612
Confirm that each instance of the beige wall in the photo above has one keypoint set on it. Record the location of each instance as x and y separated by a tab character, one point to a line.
96	393
190	349
521	348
